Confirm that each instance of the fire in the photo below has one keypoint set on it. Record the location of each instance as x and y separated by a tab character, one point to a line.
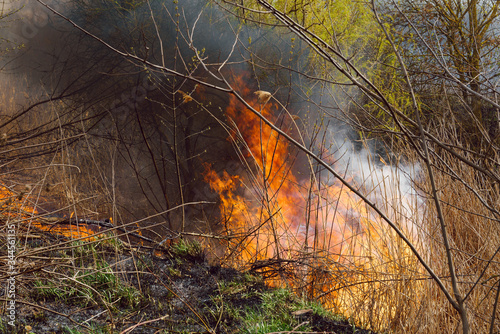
313	229
293	207
16	208
274	193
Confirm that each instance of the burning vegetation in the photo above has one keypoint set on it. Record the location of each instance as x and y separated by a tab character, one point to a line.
164	163
295	227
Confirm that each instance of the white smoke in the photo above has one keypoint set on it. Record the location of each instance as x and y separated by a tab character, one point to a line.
389	183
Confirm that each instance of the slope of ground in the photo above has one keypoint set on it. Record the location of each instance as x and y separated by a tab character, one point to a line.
105	287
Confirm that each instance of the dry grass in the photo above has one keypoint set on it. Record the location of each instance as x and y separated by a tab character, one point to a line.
338	252
313	235
346	257
474	234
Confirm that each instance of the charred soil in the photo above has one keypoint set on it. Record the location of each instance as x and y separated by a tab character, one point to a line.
105	286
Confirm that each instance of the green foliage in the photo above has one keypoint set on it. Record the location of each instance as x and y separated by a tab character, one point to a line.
259	309
187	249
275	313
346	28
90	282
95	286
343	21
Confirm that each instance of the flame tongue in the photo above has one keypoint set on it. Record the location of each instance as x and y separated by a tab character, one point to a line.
271	199
317	227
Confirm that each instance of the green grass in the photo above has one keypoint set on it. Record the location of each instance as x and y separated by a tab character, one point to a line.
90	281
258	309
187	249
238	303
275	313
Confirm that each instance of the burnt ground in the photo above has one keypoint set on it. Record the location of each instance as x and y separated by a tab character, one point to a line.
177	292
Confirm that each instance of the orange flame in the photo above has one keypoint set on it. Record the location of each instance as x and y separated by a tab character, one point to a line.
274	193
273	212
17	208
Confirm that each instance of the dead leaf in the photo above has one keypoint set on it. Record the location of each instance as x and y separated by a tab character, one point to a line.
263	96
185	97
